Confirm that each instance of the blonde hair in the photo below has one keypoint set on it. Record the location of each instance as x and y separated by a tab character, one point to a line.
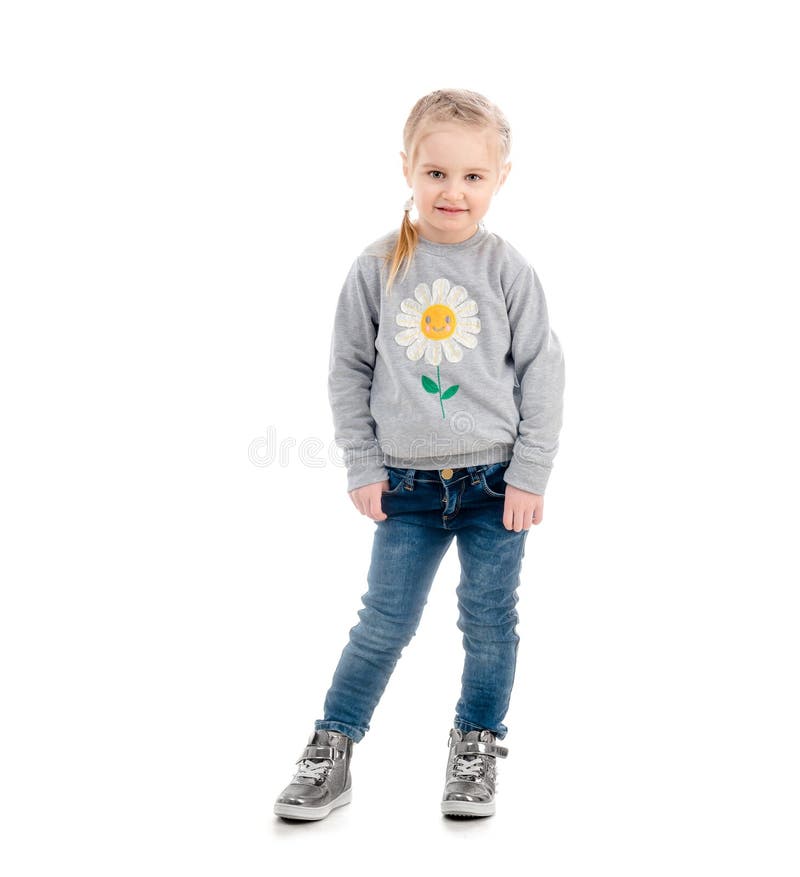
443	105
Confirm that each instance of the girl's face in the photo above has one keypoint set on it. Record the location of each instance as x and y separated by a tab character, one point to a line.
455	176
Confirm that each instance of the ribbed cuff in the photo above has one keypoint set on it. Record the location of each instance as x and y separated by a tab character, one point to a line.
365	472
527	476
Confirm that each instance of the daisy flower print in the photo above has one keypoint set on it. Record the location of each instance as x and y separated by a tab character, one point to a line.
439	320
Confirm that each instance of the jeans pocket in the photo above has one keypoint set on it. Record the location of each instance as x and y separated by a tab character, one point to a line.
492	479
397	478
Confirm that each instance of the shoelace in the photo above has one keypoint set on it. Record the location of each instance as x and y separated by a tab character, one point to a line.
316	769
469	767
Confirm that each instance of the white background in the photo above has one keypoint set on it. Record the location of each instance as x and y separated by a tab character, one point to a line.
184	186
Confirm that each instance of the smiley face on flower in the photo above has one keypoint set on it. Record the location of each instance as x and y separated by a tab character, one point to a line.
438	320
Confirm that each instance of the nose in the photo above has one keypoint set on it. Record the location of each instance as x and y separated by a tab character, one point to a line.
452	191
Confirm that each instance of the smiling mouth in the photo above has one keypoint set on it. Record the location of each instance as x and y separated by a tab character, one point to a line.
451	209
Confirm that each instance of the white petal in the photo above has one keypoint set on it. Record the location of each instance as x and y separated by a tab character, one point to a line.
433	352
407	336
452	351
467	309
465	338
440	290
454	298
409	306
423	294
469	324
408	320
415	351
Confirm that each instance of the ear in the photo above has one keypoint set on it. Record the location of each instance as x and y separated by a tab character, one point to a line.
404	157
505	171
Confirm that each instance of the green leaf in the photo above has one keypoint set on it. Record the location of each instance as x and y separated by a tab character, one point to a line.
450	391
430	386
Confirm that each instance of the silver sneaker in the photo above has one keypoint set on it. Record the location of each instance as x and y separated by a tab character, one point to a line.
322	780
471	780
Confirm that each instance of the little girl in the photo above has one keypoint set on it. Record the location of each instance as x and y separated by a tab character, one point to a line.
446	385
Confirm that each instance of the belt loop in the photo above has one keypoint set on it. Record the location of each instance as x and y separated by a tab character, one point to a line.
409	479
473	471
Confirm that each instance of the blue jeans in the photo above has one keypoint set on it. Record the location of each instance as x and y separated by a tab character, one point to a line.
425	510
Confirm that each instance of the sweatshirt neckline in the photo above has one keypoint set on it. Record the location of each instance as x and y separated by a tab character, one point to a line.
442	249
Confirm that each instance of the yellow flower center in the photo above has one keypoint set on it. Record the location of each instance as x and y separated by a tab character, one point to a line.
438	322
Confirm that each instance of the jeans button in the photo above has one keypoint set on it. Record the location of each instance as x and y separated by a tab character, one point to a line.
447	473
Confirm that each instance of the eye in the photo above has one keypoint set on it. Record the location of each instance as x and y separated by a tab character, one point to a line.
476	177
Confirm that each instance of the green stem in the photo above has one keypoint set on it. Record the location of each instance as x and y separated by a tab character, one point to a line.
439	382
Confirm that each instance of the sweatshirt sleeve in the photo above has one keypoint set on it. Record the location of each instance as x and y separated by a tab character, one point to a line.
539	364
351	364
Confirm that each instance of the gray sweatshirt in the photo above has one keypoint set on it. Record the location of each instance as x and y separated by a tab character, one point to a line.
457	366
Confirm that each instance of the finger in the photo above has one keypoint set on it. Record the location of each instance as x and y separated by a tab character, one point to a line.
382	516
513	519
370	508
508	515
357	502
530	514
376	511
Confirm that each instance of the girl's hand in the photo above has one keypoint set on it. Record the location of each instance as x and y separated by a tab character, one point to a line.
367	499
522	509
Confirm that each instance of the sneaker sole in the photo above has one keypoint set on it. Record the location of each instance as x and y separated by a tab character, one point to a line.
300	811
468	808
